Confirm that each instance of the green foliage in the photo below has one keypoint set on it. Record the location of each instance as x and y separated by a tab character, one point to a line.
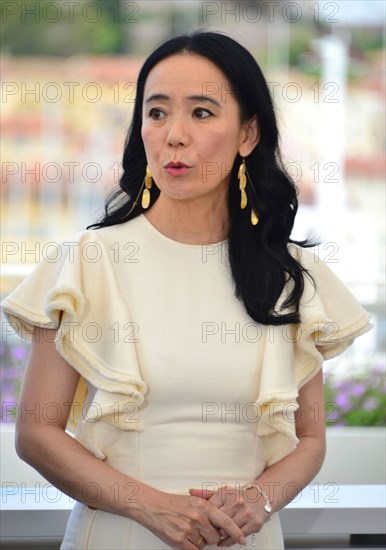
299	45
49	27
367	40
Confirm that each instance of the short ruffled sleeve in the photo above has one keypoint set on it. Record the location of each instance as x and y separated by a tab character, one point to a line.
331	318
74	290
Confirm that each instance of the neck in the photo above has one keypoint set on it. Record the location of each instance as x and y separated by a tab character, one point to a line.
195	221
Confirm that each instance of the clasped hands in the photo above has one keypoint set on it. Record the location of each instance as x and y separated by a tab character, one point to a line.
205	518
246	512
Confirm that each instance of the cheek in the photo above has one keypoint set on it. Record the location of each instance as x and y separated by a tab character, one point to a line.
145	134
219	146
148	138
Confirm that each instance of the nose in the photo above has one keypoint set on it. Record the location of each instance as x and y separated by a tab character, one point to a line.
178	133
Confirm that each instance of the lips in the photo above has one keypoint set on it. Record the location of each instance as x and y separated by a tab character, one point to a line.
176	165
176	168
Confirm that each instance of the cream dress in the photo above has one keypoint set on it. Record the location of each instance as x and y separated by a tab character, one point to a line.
185	390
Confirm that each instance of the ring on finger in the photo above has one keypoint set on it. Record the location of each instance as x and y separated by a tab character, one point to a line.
199	541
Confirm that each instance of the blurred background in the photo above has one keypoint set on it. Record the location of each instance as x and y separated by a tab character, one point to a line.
68	72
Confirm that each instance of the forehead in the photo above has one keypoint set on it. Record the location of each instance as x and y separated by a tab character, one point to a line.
187	73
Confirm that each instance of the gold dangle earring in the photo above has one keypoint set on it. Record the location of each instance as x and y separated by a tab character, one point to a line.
242	183
146	192
254	217
242	176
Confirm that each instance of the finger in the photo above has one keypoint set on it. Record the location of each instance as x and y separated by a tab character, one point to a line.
227	540
210	535
240	522
213	497
223	521
198	541
187	544
202	493
225	543
243	521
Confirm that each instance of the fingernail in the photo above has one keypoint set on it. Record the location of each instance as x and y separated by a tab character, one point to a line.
243	541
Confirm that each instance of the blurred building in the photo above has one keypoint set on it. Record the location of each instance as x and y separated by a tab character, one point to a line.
66	112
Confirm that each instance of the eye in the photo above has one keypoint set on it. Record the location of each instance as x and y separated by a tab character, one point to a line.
156	114
200	112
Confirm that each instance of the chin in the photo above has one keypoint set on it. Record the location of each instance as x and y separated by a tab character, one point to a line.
178	193
182	197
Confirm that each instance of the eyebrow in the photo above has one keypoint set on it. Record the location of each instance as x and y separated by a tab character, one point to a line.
163	97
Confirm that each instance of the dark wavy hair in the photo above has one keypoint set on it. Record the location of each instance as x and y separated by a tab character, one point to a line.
259	258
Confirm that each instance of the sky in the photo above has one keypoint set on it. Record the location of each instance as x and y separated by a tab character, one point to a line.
357	12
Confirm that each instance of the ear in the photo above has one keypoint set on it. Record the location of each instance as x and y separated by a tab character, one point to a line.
250	136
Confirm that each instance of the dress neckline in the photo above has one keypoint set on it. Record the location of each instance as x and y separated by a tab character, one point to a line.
166	239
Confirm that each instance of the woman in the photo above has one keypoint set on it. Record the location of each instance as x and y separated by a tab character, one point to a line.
198	326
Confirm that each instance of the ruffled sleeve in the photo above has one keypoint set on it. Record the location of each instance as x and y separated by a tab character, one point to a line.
331	318
74	290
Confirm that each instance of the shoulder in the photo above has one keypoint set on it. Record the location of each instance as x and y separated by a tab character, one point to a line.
122	232
90	245
305	256
323	290
313	265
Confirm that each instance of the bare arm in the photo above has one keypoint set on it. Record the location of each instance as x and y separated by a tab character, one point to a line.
68	465
285	479
290	475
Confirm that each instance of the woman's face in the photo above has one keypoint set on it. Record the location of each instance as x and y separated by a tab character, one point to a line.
191	127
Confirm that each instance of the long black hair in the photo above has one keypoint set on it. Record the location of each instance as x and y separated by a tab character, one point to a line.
258	255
